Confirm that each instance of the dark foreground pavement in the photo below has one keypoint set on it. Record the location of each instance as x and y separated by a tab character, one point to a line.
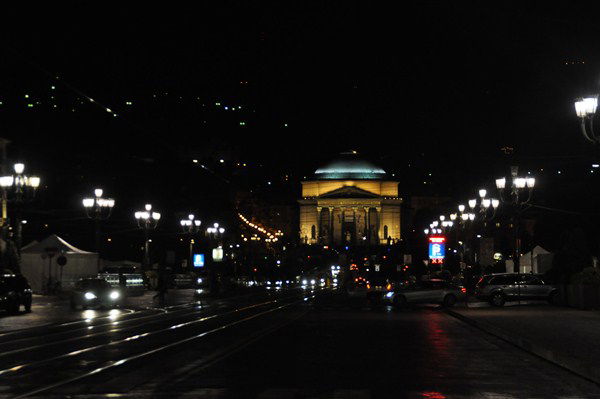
566	336
278	345
350	353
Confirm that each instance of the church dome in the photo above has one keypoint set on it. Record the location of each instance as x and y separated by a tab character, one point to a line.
349	166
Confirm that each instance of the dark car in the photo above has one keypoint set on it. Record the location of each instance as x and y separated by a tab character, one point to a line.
499	288
14	292
95	293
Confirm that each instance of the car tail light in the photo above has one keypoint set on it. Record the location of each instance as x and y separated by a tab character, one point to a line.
463	290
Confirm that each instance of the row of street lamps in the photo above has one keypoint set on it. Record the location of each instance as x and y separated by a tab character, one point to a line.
515	199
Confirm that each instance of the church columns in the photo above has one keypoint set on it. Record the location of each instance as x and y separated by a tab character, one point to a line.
319	224
367	230
379	224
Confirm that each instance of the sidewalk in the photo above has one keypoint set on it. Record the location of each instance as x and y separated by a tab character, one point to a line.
564	336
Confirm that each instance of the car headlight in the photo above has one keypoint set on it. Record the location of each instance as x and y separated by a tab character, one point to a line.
114	295
335	280
89	295
304	282
312	282
199	281
389	294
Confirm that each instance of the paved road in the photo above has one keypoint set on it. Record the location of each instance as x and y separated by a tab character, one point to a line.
277	345
50	309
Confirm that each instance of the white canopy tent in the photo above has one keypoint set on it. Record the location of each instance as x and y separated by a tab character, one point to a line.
538	260
39	267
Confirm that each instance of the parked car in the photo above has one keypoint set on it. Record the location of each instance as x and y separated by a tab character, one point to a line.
501	287
95	293
431	291
14	292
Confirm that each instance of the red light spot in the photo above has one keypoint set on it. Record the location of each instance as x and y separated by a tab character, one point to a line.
433	395
437	239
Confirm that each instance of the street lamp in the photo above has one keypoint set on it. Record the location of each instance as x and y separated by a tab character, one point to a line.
190	226
98	209
517	198
147	221
215	231
486	207
585	108
18	188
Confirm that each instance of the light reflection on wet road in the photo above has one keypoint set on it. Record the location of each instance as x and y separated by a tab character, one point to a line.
276	345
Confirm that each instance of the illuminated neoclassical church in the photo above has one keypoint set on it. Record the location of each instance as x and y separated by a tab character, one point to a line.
349	202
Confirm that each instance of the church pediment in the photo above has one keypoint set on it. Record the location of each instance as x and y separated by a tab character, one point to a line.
349	192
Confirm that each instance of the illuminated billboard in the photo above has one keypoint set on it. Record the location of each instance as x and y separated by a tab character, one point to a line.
198	260
437	247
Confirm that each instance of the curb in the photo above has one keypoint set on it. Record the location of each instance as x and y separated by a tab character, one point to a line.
583	369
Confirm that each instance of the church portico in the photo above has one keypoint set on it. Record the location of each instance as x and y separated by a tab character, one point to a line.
349	203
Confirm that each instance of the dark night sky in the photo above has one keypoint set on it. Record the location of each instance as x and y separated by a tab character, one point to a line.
428	74
441	86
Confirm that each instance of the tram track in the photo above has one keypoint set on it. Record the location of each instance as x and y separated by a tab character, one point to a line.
20	367
182	310
245	314
128	351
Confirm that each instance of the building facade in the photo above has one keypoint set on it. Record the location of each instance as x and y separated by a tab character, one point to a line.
350	202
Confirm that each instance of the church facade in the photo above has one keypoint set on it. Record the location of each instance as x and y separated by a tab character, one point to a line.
350	202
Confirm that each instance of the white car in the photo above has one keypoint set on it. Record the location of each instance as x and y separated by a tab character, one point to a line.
430	291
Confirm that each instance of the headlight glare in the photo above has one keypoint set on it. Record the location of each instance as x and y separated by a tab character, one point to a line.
89	296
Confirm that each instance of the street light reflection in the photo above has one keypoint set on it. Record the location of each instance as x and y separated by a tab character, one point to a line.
88	315
114	314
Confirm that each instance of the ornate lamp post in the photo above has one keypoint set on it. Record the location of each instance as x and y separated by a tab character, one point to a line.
191	226
585	108
98	209
486	207
462	221
215	232
147	221
517	197
18	188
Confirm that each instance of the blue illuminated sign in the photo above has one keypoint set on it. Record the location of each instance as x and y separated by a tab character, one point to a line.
437	247
198	260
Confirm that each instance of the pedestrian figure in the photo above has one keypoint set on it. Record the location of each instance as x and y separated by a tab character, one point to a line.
161	289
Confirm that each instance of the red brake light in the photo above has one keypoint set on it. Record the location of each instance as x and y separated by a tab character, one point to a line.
463	290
